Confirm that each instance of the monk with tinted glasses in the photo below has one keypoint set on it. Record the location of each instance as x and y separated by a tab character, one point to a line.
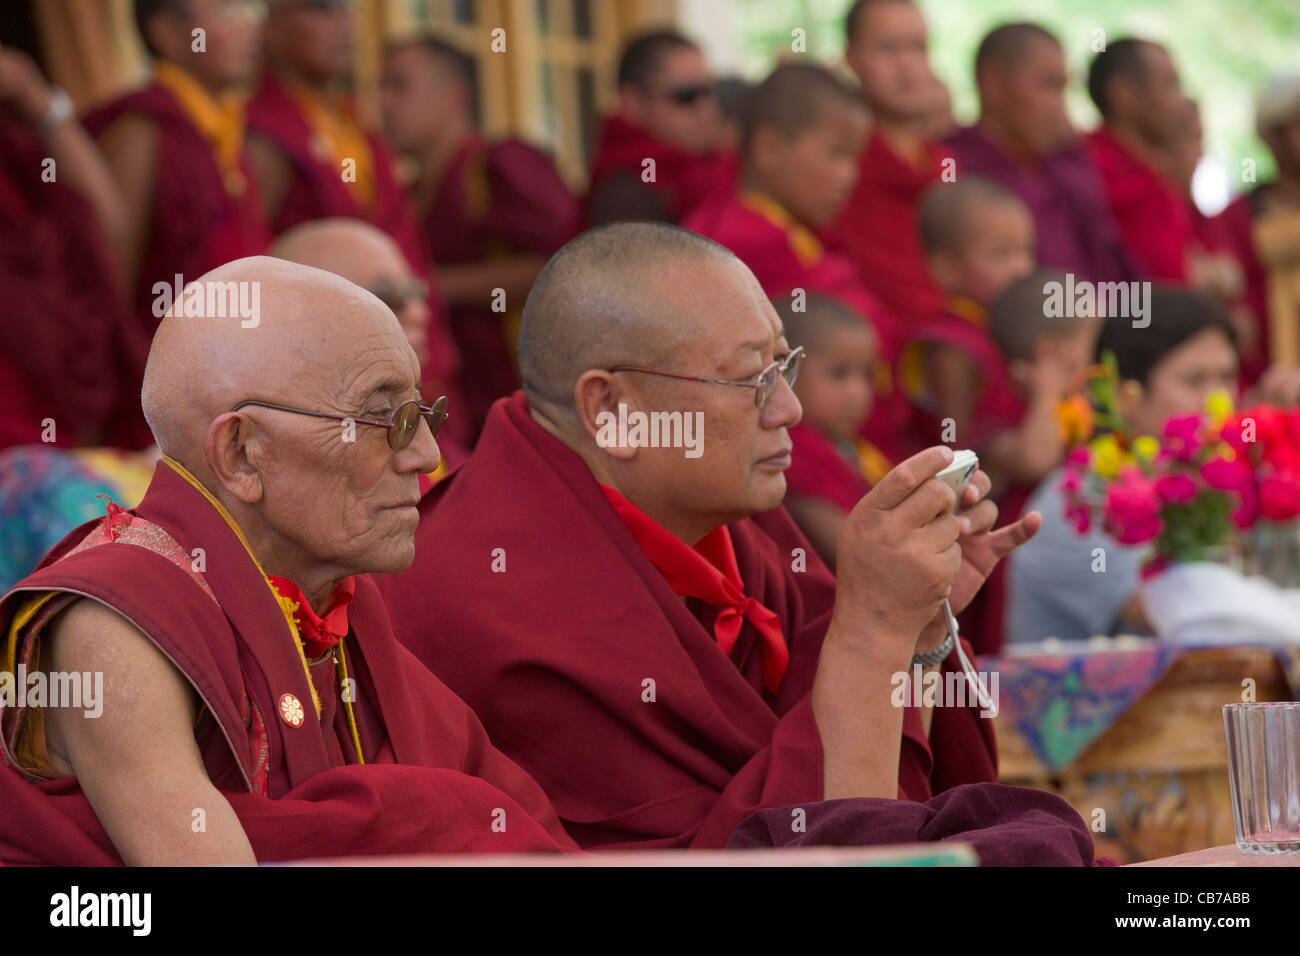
657	157
242	698
611	583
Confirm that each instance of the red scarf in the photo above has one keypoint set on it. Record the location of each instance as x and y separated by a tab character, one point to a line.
709	572
318	634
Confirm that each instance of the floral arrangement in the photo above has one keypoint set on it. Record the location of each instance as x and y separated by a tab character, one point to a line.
1188	492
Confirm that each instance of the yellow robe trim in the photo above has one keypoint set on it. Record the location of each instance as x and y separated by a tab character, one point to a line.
806	246
219	120
341	137
286	606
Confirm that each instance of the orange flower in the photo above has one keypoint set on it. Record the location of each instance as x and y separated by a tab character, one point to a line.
1074	415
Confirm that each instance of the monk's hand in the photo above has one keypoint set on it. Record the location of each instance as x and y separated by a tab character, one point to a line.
24	93
982	547
898	552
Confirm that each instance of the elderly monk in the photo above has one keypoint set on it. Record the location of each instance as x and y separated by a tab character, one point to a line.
657	157
644	628
1024	140
254	704
368	257
492	212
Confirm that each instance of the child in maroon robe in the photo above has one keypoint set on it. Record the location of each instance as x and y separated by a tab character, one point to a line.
831	465
803	133
492	212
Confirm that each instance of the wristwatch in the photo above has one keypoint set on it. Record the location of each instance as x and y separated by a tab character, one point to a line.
935	657
59	112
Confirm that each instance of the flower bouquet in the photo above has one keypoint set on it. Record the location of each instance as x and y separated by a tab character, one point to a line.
1201	497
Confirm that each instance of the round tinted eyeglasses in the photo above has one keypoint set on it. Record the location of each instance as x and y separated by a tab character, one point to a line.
787	368
401	426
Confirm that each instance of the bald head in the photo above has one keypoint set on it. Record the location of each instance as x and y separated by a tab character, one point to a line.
1007	46
610	296
944	215
368	257
793	99
350	248
207	356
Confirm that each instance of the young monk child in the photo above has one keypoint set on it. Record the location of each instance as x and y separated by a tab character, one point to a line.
977	237
831	465
1043	355
800	142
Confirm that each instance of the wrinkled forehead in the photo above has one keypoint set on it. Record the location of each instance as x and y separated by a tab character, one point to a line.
356	347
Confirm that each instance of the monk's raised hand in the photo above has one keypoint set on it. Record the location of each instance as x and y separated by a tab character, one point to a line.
983	548
898	553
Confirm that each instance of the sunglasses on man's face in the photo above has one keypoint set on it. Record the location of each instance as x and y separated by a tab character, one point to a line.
689	95
401	426
397	294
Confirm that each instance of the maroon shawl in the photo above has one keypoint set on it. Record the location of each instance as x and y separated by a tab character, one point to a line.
553	653
431	781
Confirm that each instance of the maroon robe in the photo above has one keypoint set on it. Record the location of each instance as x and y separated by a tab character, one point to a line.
495	201
317	191
554	652
1004	825
877	230
682	181
1151	211
1237	223
67	350
784	255
431	781
200	220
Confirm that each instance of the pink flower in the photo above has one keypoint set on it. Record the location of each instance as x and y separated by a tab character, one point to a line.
1080	518
1071	483
1180	438
1228	474
1131	508
1247	511
1279	496
1077	457
1177	487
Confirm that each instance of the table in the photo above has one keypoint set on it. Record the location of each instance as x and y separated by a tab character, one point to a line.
1154	784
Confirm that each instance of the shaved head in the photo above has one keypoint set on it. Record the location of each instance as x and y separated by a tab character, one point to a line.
200	367
944	214
367	256
794	98
349	248
604	300
644	318
306	471
1005	47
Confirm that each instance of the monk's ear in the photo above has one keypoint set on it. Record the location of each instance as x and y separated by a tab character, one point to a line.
232	454
596	399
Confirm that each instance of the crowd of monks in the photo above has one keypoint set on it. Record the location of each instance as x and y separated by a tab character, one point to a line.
326	632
